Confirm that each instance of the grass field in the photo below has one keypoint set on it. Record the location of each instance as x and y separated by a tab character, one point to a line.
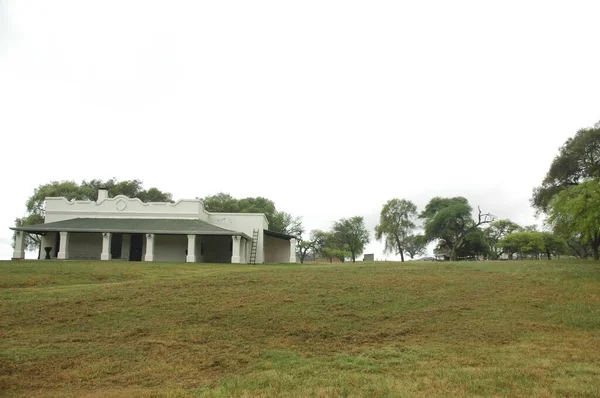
115	329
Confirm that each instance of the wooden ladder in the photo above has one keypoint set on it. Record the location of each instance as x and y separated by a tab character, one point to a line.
254	246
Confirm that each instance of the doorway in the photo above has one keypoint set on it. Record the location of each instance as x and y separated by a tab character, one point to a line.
136	247
116	244
56	244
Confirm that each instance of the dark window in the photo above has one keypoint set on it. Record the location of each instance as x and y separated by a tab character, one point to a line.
135	248
116	245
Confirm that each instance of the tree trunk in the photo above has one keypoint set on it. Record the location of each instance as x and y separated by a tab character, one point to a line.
402	255
595	245
453	254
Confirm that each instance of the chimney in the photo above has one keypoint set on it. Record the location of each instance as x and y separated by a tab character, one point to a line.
102	194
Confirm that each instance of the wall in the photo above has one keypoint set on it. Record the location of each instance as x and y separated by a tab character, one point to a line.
170	247
58	209
217	249
277	250
84	246
246	223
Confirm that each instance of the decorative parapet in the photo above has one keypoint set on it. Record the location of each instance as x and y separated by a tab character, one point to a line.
121	206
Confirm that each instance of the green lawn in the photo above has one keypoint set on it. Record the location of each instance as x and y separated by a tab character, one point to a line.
529	328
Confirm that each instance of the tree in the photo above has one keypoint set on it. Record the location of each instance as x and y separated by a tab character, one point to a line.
449	221
129	188
578	160
327	246
305	246
578	247
528	243
576	211
496	231
396	224
302	249
351	235
285	223
530	228
279	221
415	245
474	244
553	245
221	203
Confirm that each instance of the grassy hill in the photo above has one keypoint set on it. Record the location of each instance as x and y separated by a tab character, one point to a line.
115	329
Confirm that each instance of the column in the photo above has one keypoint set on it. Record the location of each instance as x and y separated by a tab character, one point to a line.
292	250
243	251
246	252
149	248
19	252
235	252
191	251
63	250
106	239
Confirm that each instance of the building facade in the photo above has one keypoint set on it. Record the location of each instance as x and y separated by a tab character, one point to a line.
123	228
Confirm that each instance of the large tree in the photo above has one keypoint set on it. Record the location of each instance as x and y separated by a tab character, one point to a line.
576	211
87	190
279	221
449	221
578	160
351	235
396	225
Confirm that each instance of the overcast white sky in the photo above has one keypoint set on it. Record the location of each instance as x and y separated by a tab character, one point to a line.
329	108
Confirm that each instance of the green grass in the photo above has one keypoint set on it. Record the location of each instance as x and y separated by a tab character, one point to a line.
116	329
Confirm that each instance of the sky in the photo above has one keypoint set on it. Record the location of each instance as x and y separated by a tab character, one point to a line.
328	108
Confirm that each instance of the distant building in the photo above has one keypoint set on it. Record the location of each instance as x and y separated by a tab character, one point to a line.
128	229
369	257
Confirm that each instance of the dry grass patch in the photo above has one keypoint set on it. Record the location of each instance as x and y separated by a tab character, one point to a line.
415	329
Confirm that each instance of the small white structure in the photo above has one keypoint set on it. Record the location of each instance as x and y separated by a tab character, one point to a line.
128	229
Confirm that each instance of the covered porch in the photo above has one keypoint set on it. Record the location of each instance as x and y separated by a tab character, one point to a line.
165	240
279	248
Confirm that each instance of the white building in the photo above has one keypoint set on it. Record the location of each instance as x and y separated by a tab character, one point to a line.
128	229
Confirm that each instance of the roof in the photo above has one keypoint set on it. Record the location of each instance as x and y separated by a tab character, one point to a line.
165	226
279	235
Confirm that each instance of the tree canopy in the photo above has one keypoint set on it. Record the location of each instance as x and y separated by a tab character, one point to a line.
351	235
279	221
523	243
449	221
415	245
496	231
396	225
311	245
578	160
533	243
576	211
